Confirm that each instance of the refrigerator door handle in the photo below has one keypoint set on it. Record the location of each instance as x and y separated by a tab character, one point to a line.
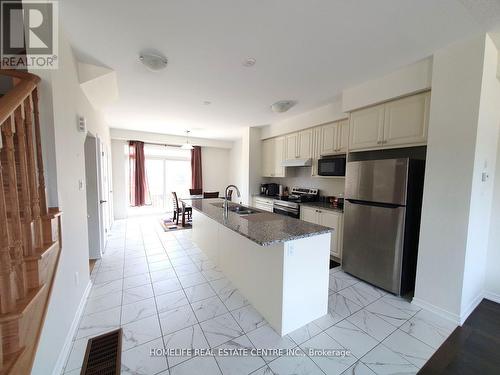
375	204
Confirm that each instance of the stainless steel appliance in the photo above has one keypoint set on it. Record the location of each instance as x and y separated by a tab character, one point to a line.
383	200
290	205
332	166
271	189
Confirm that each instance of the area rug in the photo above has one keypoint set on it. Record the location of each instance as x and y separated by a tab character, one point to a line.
169	225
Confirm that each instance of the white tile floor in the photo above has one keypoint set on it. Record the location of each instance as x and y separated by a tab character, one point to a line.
164	292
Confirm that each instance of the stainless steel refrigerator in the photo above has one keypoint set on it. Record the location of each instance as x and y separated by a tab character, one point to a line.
383	200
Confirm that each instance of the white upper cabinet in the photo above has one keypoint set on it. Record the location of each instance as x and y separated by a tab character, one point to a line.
342	135
305	142
328	141
291	151
279	156
406	120
316	154
268	157
402	122
366	128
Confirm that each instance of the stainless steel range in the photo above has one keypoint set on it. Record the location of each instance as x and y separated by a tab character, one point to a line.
290	205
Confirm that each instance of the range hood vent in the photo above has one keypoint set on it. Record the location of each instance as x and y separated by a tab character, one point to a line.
297	162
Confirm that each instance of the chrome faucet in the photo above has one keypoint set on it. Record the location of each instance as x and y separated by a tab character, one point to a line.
226	200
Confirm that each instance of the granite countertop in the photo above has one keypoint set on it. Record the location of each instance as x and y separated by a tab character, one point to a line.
263	228
324	205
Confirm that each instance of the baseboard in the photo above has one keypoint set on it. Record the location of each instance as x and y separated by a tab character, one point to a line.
475	302
454	318
61	359
492	296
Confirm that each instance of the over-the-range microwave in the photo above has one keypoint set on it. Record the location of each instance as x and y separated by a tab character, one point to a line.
332	166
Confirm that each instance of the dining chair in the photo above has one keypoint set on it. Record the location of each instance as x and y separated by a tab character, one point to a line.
195	191
210	194
179	210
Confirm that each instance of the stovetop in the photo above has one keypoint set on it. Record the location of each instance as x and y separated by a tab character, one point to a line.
300	195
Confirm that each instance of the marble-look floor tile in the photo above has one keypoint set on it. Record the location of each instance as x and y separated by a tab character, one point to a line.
388	312
359	368
297	365
99	290
197	366
180	260
376	327
337	284
137	361
104	277
401	304
100	322
360	293
328	320
104	302
140	332
138	293
338	359
408	347
172	300
265	337
192	279
138	310
383	361
342	306
429	328
163	274
248	318
135	270
236	364
137	280
199	292
209	308
177	319
156	266
166	286
212	273
351	337
221	329
188	338
186	269
77	353
305	333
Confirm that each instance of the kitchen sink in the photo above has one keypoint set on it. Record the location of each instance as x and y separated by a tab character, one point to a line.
237	208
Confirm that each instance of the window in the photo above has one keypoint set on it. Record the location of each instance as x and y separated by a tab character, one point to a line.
168	169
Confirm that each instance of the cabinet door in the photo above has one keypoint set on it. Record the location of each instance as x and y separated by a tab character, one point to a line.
332	219
305	144
366	128
279	156
309	214
328	142
342	136
406	120
268	158
291	151
316	150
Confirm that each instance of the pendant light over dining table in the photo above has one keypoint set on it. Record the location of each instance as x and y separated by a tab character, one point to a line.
187	145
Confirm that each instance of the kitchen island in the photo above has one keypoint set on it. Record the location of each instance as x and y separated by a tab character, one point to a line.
279	264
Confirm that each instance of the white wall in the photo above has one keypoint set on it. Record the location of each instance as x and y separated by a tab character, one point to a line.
119	160
321	115
409	79
462	139
215	167
72	277
237	166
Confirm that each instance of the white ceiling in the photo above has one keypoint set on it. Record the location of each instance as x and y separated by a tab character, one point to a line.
306	50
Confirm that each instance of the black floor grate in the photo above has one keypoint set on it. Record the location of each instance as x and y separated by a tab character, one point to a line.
103	354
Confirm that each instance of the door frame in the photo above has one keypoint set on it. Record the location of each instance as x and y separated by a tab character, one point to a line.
92	182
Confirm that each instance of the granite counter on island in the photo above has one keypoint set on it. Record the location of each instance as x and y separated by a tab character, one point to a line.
279	264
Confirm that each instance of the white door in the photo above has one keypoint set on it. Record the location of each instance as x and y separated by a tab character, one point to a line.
406	120
291	146
366	128
309	214
342	135
279	155
305	144
103	193
93	187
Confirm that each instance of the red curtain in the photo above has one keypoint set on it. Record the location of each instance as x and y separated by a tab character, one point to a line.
137	167
196	176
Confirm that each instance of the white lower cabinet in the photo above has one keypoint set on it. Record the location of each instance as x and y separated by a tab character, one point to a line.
327	218
262	203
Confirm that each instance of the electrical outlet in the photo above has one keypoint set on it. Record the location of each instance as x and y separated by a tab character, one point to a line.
81	185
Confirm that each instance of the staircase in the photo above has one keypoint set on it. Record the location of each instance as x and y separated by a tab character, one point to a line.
30	240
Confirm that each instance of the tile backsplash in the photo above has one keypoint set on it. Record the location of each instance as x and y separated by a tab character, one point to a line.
301	176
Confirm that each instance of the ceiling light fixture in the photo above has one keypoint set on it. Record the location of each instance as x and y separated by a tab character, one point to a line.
153	61
282	105
249	62
187	145
207	102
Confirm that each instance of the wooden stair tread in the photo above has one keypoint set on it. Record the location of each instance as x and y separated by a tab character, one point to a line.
22	305
10	360
41	252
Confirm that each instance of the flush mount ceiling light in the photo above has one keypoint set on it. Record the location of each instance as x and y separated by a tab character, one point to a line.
187	145
207	102
249	62
282	106
153	61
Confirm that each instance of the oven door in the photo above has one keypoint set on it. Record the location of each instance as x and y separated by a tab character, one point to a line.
331	166
286	211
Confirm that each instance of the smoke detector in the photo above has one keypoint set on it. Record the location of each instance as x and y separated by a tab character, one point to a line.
282	106
153	62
